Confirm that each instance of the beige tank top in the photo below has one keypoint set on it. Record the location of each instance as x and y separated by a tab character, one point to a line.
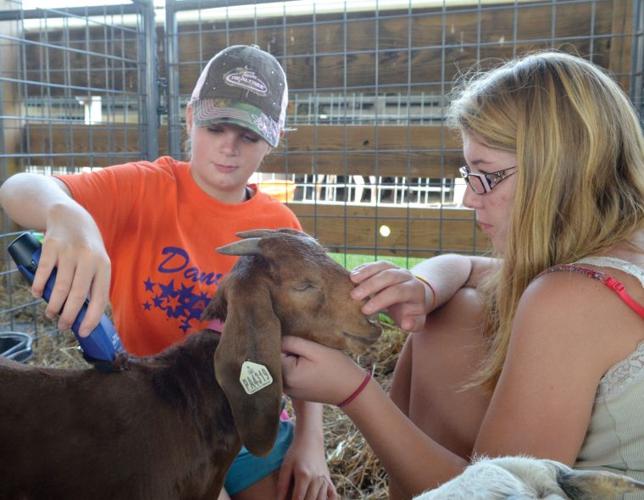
615	438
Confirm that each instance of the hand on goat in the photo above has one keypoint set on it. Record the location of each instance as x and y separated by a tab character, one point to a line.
73	244
394	289
313	372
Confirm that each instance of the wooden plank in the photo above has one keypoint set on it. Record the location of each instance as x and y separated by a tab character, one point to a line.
414	232
82	145
345	150
359	138
621	46
414	151
380	50
404	164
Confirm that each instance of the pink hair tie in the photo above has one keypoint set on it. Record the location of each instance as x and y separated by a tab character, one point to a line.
216	325
357	392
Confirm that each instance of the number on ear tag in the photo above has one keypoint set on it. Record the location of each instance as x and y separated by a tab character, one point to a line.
254	377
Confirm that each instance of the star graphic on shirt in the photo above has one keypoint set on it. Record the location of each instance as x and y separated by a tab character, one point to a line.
204	299
186	293
172	302
177	299
168	290
158	301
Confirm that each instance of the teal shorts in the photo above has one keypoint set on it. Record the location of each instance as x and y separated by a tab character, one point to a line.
247	469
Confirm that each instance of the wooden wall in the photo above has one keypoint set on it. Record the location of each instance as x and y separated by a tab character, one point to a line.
362	50
9	93
442	44
415	232
429	151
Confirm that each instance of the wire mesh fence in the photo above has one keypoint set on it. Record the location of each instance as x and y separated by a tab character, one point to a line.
74	87
369	84
74	95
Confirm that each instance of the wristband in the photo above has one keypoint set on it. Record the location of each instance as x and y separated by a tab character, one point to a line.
357	392
423	280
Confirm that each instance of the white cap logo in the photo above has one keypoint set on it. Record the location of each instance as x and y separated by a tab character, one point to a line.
246	79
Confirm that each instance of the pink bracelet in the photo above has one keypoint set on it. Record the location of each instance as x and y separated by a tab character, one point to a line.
357	392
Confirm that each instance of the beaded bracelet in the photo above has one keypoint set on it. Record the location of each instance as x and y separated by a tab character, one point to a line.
434	299
357	392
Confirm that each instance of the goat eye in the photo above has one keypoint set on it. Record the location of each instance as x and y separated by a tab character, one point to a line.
302	287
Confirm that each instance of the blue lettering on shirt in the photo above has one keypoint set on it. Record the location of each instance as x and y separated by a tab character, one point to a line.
182	302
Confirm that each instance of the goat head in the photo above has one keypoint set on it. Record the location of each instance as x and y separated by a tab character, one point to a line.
283	284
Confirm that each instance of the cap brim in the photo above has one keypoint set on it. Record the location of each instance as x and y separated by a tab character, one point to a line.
206	112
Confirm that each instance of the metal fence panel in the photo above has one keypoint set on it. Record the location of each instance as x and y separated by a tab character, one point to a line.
369	155
77	91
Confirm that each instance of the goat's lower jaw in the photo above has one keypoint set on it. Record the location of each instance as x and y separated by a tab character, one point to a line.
363	340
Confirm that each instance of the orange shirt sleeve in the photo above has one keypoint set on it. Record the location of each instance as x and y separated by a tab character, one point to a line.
110	194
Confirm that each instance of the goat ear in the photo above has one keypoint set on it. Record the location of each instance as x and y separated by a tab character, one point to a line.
248	366
595	484
218	305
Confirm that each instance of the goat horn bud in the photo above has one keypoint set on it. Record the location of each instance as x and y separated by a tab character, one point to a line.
256	233
248	246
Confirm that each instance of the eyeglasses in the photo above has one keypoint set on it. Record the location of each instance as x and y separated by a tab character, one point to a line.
482	183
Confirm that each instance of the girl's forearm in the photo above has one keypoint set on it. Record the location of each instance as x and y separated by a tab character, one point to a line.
31	199
309	418
412	459
449	273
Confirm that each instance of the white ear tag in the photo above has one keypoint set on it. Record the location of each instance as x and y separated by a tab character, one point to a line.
254	377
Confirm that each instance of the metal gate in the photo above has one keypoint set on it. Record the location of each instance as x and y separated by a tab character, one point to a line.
77	91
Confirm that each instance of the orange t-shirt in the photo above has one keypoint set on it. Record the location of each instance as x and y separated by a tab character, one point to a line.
161	232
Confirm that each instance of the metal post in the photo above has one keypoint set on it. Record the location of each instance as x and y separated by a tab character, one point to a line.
637	65
172	67
149	48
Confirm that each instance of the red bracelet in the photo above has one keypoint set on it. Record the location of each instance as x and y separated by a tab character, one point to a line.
357	392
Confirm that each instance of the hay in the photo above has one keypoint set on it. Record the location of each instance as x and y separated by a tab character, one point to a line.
58	349
20	311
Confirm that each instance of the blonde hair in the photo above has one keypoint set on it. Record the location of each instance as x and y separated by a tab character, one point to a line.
580	181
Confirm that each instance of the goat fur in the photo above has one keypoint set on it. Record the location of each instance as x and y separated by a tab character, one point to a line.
169	426
528	478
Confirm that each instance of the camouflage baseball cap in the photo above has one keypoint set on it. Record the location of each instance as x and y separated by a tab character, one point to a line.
245	86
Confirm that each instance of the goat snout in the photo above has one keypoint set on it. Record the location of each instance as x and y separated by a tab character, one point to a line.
360	339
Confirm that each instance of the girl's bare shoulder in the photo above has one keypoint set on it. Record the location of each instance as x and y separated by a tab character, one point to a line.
573	311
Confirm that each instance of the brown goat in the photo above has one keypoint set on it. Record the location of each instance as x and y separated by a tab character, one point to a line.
162	427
